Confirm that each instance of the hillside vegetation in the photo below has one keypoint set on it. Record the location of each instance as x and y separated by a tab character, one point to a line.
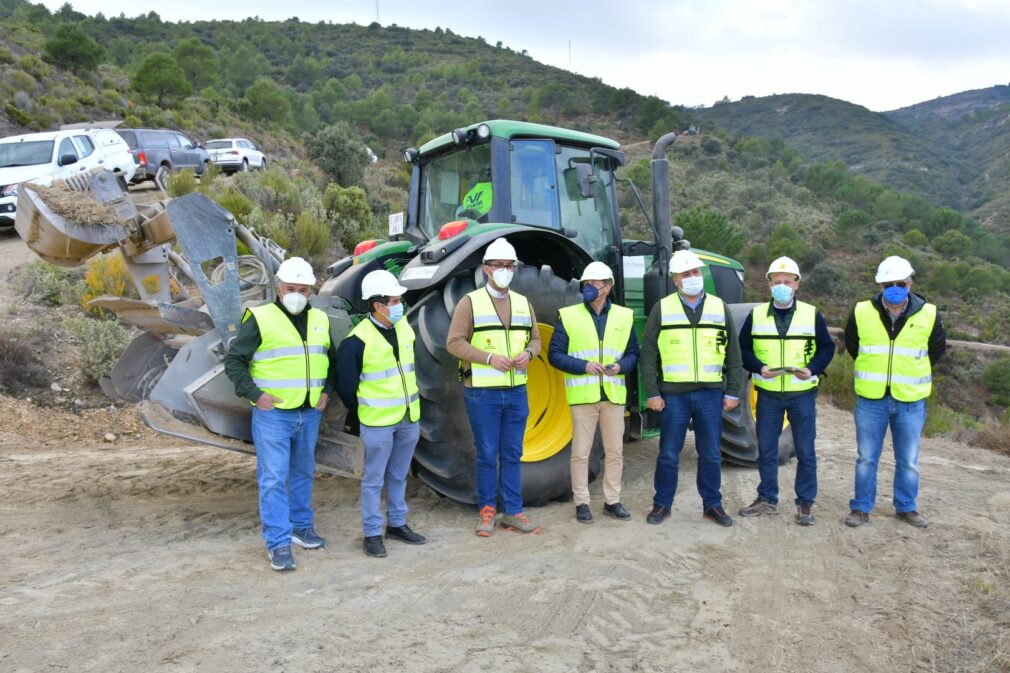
829	183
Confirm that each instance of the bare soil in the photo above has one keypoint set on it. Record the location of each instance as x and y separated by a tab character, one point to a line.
144	554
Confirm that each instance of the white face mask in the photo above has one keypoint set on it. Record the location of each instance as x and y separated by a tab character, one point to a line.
295	303
502	277
692	285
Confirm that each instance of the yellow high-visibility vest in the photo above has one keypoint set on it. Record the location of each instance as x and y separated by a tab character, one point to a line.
387	386
796	349
489	334
692	353
902	364
584	343
284	365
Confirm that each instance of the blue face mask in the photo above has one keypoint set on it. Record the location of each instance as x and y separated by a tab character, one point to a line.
895	295
395	313
782	294
590	293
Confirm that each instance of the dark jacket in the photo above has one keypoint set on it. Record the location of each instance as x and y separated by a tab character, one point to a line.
732	383
247	342
823	343
559	357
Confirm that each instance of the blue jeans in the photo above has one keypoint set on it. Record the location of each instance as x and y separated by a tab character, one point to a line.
704	408
872	420
498	420
285	464
802	413
388	452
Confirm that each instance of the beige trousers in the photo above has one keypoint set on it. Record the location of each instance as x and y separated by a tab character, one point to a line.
585	418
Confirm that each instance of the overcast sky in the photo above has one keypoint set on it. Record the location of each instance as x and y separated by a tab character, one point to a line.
882	54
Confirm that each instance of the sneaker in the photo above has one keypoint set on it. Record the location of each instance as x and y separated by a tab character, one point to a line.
659	514
913	518
281	558
857	518
718	515
805	514
307	538
617	511
582	514
759	507
405	534
519	523
374	546
486	525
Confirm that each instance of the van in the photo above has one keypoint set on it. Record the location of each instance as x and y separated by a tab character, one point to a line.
161	149
43	158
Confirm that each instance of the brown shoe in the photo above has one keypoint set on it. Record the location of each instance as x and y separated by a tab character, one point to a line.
759	507
519	523
857	518
913	518
805	514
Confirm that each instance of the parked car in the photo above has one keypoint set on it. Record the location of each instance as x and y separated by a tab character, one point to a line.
236	154
58	155
160	149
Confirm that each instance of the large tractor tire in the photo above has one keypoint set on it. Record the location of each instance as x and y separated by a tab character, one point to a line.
739	433
445	457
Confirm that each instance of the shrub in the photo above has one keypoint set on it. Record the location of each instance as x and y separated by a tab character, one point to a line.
312	239
915	238
942	420
16	115
48	284
837	384
23	101
952	242
182	183
786	240
104	341
234	202
710	230
997	379
106	275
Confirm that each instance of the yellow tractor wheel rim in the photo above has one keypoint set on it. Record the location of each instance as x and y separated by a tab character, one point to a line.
754	407
549	425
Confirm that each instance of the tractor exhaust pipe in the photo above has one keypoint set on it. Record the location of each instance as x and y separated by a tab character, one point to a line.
662	217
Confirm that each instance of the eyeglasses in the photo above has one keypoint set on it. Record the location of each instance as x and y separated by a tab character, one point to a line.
897	283
498	265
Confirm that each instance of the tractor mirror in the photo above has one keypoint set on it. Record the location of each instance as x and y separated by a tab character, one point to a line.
583	174
67	159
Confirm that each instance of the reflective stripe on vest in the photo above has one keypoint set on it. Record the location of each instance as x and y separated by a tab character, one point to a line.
902	364
286	367
490	336
796	349
387	387
584	343
692	353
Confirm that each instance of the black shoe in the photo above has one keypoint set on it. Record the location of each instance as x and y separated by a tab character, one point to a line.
281	558
718	515
404	534
374	546
659	514
617	511
582	514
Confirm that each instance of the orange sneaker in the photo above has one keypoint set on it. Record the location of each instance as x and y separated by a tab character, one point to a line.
519	523
486	525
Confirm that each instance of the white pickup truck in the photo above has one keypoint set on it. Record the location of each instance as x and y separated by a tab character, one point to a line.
57	155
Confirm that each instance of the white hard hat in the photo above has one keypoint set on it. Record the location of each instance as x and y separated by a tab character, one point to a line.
500	249
296	270
894	268
784	265
597	271
380	283
684	260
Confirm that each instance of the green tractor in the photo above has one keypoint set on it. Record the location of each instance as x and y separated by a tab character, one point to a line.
553	193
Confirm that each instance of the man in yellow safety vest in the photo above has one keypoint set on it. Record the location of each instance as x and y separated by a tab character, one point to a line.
280	360
786	346
691	372
494	335
895	337
594	344
376	380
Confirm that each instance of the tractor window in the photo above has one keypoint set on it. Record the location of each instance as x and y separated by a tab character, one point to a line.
592	221
534	184
456	186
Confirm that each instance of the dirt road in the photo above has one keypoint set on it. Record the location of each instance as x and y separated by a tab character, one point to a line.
144	554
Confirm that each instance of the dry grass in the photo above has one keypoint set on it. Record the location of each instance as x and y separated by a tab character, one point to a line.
995	437
76	207
20	365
